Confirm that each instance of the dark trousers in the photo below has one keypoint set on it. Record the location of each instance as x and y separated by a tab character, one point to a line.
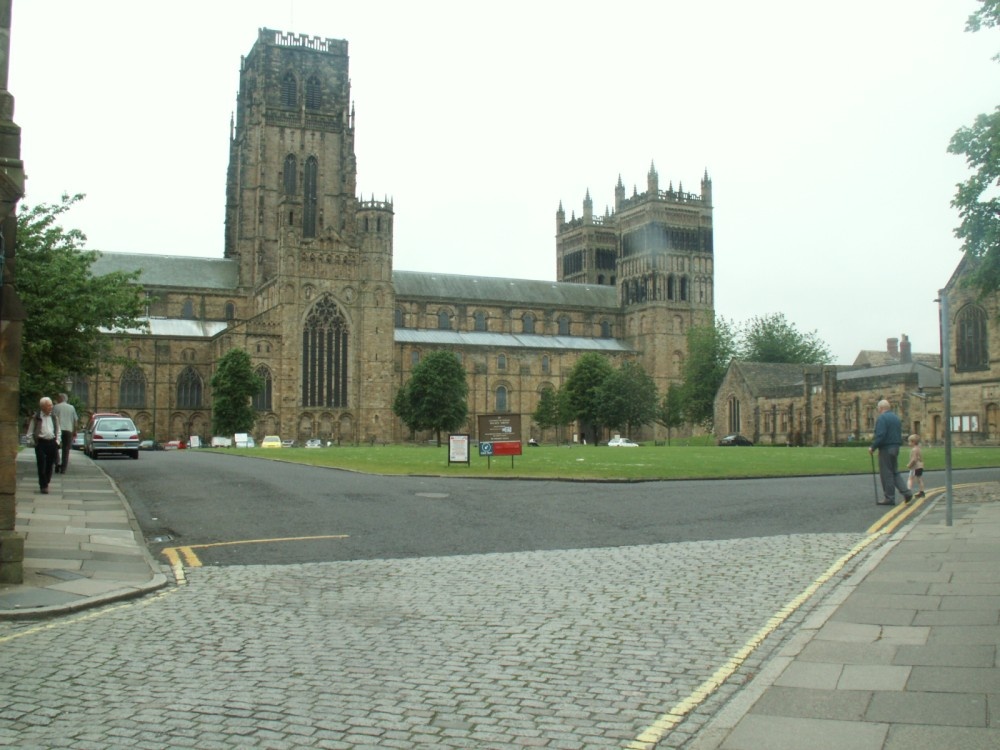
46	455
888	469
67	445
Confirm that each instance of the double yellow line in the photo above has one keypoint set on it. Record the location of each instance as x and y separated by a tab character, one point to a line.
665	723
179	557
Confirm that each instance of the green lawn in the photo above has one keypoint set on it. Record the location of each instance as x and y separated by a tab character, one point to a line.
616	464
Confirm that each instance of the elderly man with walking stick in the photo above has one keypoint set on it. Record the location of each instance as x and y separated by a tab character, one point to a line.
888	439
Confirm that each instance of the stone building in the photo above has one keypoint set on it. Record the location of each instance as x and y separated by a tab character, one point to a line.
792	404
306	284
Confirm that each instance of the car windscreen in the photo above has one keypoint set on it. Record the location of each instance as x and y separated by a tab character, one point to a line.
115	425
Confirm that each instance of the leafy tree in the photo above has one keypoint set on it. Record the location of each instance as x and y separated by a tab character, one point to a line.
583	390
435	396
234	385
976	198
710	348
671	409
771	338
628	397
68	309
552	409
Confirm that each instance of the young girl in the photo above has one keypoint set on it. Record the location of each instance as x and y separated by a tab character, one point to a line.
916	465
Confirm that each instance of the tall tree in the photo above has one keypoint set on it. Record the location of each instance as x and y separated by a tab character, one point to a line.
435	396
234	385
628	397
710	348
68	309
976	198
583	391
552	410
671	409
771	338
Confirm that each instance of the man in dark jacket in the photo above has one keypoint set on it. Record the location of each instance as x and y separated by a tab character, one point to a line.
44	434
888	439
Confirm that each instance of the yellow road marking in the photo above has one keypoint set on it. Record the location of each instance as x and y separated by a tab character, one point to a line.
173	554
92	614
664	724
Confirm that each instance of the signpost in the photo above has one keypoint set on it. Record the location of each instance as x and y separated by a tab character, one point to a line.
458	450
499	435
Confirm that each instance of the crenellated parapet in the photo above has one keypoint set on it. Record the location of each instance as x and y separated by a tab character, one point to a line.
315	43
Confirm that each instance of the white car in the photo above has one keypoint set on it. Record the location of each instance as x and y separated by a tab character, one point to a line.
620	442
314	443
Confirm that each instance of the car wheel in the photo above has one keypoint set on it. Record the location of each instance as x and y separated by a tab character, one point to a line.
135	455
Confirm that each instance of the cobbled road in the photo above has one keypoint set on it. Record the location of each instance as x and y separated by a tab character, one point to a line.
555	649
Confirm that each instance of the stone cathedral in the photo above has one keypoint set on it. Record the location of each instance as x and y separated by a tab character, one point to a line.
306	285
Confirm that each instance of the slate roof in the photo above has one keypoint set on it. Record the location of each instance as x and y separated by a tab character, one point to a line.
927	376
485	289
507	340
179	328
172	270
880	357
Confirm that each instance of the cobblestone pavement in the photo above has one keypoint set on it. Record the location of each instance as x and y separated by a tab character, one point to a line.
567	649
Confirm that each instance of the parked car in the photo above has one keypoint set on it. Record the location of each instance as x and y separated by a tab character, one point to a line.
270	441
620	442
314	443
222	442
79	441
98	415
287	443
110	436
735	440
149	445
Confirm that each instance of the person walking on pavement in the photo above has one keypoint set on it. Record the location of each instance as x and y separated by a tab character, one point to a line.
67	421
44	434
888	439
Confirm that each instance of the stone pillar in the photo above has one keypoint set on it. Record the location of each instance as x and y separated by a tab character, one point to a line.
11	316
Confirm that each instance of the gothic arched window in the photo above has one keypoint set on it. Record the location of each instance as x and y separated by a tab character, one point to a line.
734	414
312	93
291	174
324	356
230	311
189	389
289	96
971	344
605	329
480	320
187	309
132	389
81	389
527	323
501	361
501	398
444	321
545	363
262	399
309	197
563	325
399	318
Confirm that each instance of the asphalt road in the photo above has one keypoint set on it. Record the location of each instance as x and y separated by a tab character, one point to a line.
261	511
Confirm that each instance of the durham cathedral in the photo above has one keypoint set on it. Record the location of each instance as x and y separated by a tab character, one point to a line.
306	285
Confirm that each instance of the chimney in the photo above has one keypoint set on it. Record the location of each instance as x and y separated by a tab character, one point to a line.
892	346
905	355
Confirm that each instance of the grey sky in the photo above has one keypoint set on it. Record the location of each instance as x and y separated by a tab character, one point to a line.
824	129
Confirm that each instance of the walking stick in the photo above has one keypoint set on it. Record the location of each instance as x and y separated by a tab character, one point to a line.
874	482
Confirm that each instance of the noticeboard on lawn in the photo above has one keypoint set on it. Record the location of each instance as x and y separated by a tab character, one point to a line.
499	435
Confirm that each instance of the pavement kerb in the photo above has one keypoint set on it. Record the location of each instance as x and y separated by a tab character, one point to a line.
715	732
127	590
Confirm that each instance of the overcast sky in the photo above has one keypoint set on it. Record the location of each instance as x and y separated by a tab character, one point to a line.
824	128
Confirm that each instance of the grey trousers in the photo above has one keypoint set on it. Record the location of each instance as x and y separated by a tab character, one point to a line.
888	469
